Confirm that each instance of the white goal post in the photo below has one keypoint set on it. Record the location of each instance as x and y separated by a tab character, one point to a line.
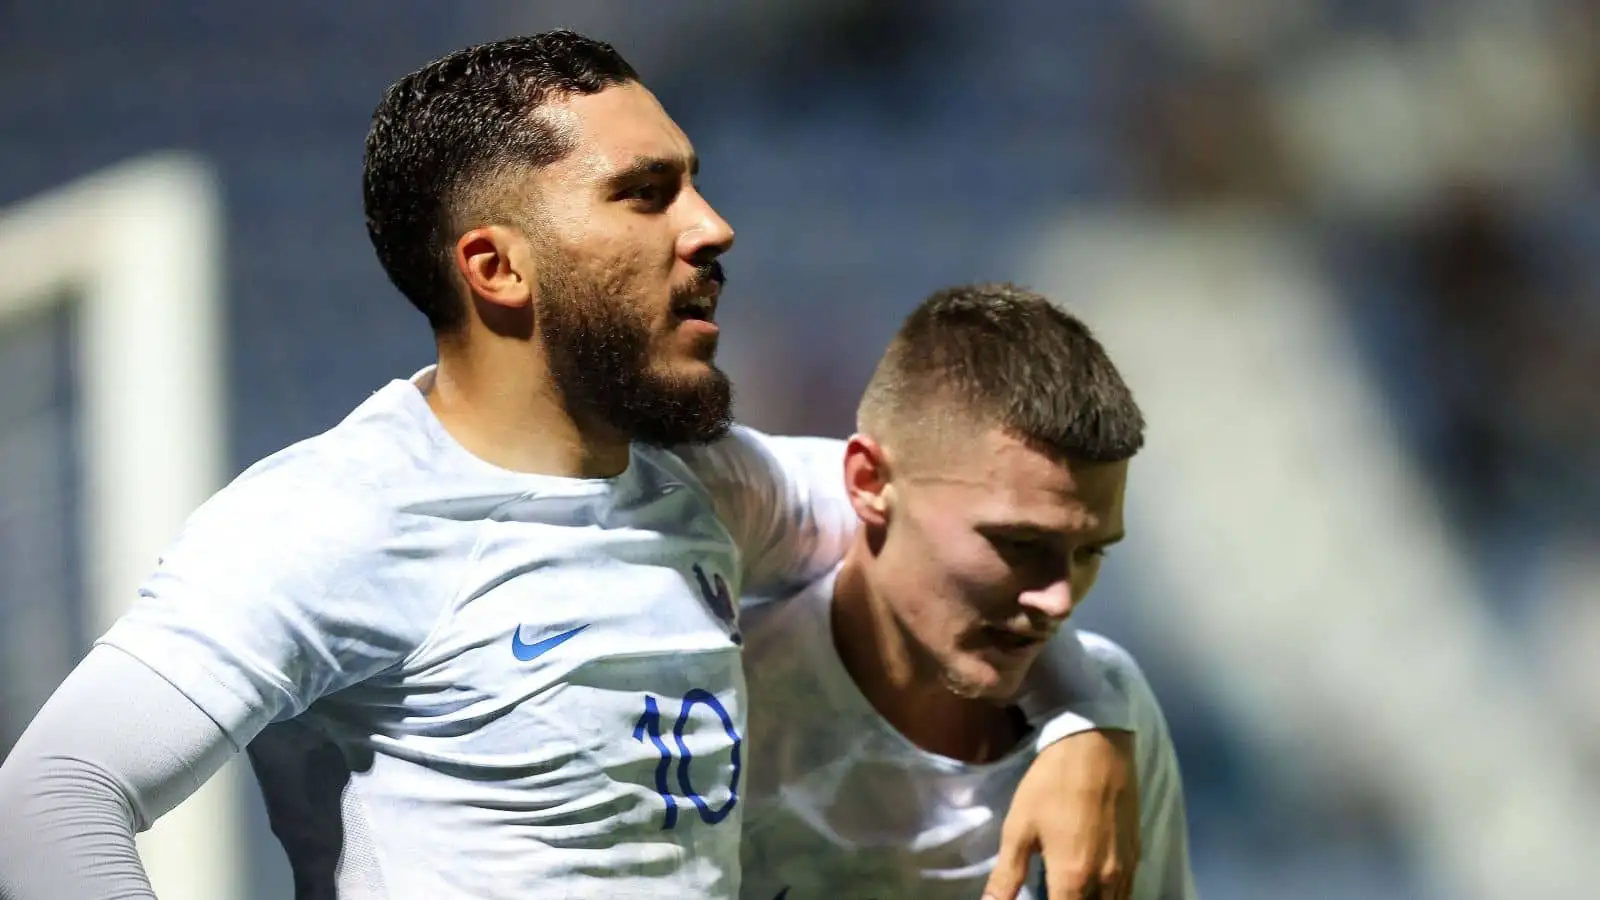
137	250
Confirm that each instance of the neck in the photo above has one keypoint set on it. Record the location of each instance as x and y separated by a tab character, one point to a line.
882	661
503	408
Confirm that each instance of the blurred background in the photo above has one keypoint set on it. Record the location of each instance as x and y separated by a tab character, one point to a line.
1344	251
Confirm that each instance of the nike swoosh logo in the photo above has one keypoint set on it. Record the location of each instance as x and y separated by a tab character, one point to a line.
537	649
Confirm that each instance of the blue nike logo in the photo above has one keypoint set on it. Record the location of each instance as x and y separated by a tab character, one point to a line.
537	649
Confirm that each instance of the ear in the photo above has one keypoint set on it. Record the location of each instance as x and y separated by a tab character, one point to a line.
497	265
868	479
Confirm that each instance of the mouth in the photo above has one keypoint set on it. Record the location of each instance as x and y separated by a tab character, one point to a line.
1012	641
701	306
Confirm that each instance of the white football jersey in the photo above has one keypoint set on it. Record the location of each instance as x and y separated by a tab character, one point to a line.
841	806
457	681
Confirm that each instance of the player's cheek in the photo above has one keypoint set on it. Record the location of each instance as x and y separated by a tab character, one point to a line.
977	574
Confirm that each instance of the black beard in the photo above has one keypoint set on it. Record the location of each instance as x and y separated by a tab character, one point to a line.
598	351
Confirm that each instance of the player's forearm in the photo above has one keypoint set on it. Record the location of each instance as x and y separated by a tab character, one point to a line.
115	748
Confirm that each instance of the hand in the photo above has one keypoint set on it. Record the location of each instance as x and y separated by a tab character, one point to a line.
1078	805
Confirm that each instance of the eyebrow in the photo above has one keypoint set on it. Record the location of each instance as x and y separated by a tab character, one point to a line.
652	166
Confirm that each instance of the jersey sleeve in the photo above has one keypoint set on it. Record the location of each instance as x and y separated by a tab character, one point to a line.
1164	872
278	593
1067	693
784	502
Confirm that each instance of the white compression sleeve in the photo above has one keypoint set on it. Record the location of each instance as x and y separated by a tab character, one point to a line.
114	749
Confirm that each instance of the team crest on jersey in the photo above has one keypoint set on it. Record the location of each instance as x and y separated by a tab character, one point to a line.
719	598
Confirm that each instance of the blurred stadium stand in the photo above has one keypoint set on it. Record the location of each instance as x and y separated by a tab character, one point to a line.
1417	183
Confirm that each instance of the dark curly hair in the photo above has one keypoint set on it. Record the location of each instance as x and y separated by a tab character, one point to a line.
446	128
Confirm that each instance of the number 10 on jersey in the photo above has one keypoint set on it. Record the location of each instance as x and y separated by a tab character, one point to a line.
649	725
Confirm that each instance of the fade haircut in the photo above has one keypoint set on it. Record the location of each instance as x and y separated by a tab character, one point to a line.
444	132
997	355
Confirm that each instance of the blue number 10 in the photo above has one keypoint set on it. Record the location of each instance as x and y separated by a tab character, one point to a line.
650	724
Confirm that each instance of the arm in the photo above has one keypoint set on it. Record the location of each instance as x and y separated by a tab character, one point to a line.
273	596
783	501
280	592
1078	806
74	794
1134	841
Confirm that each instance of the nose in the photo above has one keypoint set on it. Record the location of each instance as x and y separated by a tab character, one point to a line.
706	235
1053	600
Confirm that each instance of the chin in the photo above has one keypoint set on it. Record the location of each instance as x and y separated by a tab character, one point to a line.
979	679
685	363
700	348
686	376
694	367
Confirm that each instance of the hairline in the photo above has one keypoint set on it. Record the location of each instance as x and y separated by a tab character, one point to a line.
940	418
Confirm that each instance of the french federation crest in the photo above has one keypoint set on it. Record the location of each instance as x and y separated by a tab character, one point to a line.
715	590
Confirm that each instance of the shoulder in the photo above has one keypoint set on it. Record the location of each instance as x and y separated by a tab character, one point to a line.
382	443
745	457
784	634
762	617
293	498
730	458
338	501
278	543
1109	656
1117	666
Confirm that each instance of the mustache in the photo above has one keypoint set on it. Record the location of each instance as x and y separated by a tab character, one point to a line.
1029	624
708	274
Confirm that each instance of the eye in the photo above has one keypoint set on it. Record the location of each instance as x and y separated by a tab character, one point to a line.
1010	546
651	196
1018	550
1092	554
